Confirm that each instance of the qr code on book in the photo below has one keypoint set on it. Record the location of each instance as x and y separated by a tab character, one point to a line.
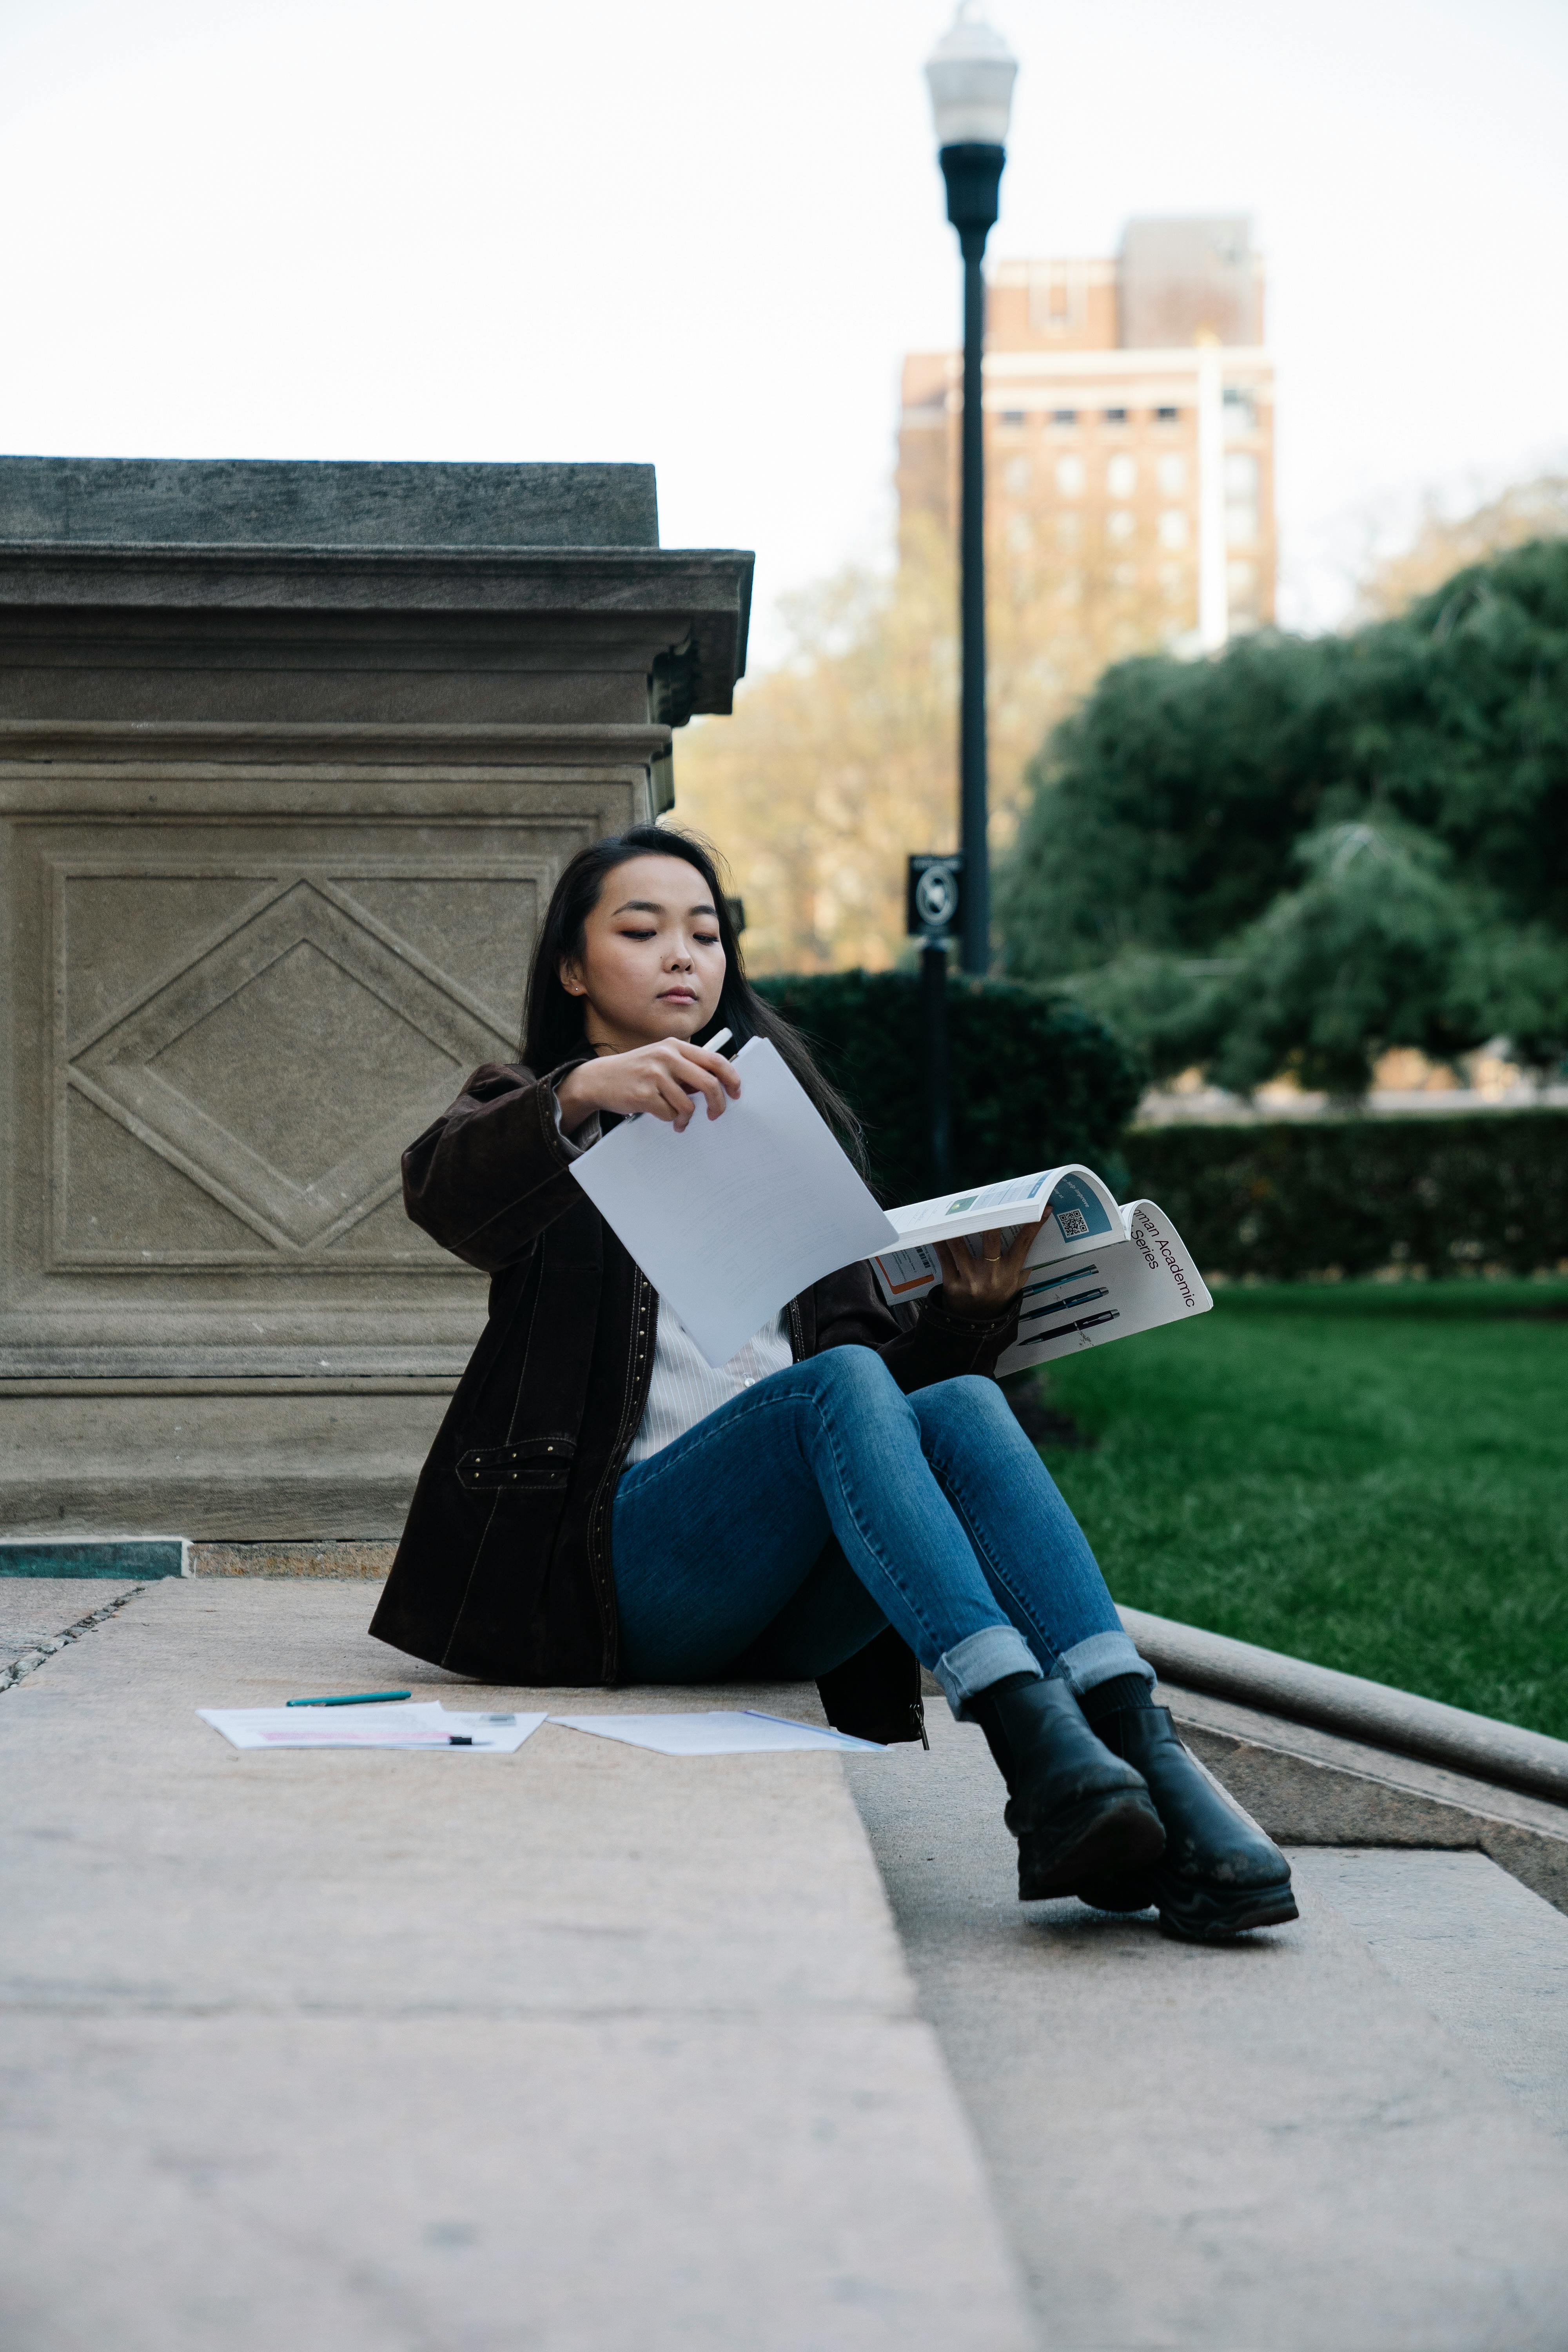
1073	1223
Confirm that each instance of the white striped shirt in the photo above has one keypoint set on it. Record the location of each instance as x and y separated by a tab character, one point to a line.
685	1388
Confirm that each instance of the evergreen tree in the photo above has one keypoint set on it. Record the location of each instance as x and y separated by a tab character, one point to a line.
1307	851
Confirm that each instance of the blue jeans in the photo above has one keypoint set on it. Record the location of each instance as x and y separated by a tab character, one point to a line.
779	1535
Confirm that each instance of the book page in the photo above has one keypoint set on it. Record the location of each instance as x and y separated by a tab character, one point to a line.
1080	1214
1074	1201
1082	1301
733	1218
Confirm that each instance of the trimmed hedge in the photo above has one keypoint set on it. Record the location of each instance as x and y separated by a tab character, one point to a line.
1351	1196
1036	1078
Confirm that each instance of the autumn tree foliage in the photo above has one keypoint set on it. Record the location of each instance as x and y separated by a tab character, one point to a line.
843	759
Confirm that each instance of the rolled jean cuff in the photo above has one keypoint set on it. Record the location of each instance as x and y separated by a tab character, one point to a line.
1097	1659
980	1659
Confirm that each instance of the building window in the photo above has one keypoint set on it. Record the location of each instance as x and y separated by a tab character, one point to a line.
1070	531
1122	478
1172	528
1167	416
1240	411
1015	417
1120	525
1173	476
1017	476
1240	497
1116	416
1057	295
1070	476
1064	417
1020	535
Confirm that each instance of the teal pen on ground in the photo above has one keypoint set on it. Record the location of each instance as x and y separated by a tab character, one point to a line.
354	1698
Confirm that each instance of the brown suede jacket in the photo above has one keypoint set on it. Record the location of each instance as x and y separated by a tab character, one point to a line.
505	1568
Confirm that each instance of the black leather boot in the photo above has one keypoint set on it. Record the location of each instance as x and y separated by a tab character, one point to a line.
1077	1812
1219	1874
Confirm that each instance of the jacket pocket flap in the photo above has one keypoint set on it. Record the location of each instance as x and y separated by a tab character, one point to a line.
530	1462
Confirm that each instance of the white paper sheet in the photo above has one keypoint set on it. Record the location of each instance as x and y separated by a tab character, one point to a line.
733	1218
415	1724
714	1731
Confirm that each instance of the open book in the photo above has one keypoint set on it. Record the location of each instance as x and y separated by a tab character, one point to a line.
1096	1271
733	1218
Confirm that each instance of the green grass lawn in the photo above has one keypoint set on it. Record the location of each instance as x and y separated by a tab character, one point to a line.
1373	1476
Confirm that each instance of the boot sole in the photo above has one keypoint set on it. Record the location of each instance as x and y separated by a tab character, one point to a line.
1100	1837
1118	1895
1202	1915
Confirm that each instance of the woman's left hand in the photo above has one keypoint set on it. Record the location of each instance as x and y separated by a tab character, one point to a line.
983	1286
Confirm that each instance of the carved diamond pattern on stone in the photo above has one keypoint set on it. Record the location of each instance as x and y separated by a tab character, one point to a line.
286	1068
302	1037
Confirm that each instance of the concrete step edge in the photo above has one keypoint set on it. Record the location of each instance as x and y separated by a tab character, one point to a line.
1372	1713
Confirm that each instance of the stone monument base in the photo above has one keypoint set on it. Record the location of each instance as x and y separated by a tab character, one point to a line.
245	1462
292	758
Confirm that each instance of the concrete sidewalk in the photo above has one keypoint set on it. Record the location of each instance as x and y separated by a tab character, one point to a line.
582	2048
588	2049
1334	2134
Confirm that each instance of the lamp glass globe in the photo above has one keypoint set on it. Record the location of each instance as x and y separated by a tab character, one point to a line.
971	73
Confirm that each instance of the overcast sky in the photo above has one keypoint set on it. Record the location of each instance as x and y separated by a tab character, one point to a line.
704	235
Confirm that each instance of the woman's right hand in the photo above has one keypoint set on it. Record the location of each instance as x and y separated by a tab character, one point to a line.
667	1078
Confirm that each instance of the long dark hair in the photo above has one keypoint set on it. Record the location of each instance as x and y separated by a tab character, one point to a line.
553	1021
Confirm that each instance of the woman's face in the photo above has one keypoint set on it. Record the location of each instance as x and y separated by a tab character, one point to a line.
652	963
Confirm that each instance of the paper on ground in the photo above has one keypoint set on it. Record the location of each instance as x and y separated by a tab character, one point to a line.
712	1731
420	1724
735	1217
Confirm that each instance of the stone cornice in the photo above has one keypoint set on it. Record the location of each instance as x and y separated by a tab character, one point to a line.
698	594
128	739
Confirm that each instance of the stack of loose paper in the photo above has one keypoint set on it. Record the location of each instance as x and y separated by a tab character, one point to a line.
714	1731
411	1724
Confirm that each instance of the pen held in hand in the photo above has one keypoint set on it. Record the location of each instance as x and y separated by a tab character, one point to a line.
711	1047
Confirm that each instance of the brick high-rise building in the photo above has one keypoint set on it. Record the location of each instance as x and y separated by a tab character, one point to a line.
1129	433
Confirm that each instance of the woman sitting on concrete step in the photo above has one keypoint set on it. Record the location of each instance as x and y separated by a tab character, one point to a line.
848	1495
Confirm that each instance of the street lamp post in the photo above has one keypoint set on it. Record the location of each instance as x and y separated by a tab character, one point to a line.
971	73
934	911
